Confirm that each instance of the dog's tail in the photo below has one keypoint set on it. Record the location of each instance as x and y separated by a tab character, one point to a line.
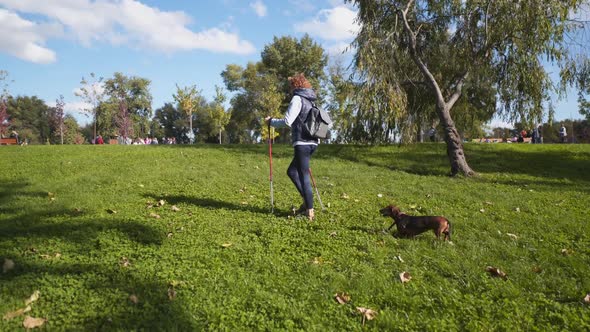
449	231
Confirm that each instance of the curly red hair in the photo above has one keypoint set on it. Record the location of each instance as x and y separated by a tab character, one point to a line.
298	81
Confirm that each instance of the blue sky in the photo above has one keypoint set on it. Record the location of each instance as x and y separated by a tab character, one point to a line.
47	46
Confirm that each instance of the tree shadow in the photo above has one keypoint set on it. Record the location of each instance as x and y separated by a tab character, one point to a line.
210	203
25	234
154	309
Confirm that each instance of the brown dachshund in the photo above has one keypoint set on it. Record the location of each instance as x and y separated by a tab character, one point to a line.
409	226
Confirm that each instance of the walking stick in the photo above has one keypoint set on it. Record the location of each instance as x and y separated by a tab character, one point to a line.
316	190
272	198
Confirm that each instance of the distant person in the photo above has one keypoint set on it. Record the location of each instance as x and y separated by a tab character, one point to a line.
14	134
562	134
432	133
540	133
535	135
99	140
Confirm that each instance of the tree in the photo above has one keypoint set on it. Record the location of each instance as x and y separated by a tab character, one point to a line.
58	116
30	117
134	101
4	117
92	93
503	41
262	89
188	98
217	112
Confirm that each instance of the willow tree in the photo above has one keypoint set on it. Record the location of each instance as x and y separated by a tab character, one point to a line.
449	44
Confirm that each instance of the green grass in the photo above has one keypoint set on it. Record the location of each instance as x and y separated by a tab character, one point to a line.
282	273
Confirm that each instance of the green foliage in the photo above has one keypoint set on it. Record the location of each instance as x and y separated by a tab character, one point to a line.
30	117
133	100
262	89
280	273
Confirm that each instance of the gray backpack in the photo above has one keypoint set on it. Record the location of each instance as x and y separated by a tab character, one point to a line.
316	123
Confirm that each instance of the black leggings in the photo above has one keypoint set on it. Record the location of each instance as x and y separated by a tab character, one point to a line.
298	171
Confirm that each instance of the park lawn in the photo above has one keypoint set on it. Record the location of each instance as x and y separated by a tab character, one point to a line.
83	225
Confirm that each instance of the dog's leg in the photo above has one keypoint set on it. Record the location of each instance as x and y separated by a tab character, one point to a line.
388	229
447	232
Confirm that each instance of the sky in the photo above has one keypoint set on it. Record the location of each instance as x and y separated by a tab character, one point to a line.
48	46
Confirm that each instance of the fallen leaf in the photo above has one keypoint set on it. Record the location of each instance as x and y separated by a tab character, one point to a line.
31	323
50	194
413	206
496	272
125	262
244	203
356	200
161	202
517	209
333	234
344	196
368	314
227	245
513	236
537	269
134	299
405	277
171	293
8	265
482	210
19	312
141	185
587	299
342	298
399	258
489	203
169	235
318	260
34	297
111	211
155	215
428	196
566	252
175	208
379	195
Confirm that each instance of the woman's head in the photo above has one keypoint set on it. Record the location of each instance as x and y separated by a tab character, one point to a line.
298	81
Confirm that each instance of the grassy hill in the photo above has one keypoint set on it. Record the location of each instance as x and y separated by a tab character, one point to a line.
85	226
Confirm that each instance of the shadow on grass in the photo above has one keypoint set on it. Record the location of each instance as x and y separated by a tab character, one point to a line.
24	235
154	310
210	203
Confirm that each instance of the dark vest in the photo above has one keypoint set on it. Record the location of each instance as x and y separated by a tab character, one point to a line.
296	130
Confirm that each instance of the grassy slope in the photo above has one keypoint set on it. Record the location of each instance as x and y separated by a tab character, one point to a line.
267	278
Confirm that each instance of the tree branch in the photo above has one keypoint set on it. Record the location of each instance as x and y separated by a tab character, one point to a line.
458	90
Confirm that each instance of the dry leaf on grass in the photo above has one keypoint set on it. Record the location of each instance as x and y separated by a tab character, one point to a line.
125	262
333	234
566	252
368	314
19	312
174	208
171	293
161	202
587	299
34	297
342	298
344	196
31	323
496	272
537	269
399	258
8	265
482	210
405	277
111	211
155	215
379	195
513	236
227	245
134	299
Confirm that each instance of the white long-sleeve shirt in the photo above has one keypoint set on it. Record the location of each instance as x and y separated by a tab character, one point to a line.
292	113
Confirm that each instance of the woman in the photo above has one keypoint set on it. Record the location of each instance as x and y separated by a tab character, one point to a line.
298	171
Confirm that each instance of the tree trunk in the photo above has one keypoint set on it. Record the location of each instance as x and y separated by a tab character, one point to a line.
219	136
454	144
190	124
95	120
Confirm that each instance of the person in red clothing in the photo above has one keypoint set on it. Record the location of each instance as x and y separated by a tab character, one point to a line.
99	140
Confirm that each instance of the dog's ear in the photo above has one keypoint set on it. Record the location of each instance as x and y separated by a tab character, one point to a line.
394	210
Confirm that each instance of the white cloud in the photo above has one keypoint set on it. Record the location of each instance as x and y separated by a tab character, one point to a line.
337	23
117	22
259	8
24	39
